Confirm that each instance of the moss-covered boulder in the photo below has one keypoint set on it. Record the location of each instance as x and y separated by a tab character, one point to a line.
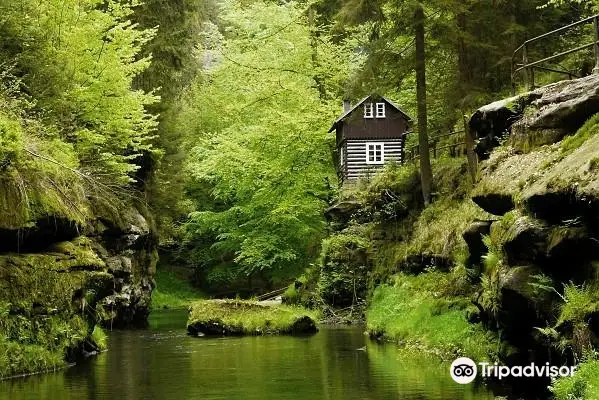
534	119
558	110
47	306
60	278
241	317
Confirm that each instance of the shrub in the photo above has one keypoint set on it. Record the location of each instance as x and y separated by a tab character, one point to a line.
343	269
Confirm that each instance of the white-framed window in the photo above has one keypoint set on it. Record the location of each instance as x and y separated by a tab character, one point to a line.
368	110
380	110
341	155
375	153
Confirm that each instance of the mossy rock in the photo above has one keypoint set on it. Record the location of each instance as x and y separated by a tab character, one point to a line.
237	317
523	239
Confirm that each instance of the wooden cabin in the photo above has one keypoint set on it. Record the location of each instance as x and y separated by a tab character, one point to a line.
369	134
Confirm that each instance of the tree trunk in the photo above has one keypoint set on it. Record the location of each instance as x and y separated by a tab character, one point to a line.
318	80
426	175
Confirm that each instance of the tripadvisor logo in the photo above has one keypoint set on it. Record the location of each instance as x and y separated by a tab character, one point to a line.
463	370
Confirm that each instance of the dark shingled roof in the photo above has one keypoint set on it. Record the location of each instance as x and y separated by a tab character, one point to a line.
345	114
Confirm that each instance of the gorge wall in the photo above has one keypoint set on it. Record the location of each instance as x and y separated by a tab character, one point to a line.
60	278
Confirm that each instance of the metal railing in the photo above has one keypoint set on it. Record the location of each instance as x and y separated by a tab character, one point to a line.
529	67
435	150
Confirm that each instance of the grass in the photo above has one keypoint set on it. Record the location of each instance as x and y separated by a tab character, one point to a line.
421	312
99	338
583	385
439	228
590	128
248	317
22	359
172	291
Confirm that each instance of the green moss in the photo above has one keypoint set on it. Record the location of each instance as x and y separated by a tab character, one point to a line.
583	385
390	194
11	140
172	291
590	128
19	359
99	338
427	311
248	317
438	231
39	183
36	342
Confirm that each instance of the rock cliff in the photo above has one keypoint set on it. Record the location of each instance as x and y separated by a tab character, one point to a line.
59	278
542	183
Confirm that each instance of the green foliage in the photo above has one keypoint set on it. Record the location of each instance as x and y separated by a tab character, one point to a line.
344	268
260	165
490	298
11	140
32	344
584	383
425	311
172	291
590	128
78	62
579	303
175	61
390	195
248	317
99	338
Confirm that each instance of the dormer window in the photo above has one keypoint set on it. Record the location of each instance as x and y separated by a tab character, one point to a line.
380	110
368	110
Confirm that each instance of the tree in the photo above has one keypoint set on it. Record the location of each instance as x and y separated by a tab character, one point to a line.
426	175
256	122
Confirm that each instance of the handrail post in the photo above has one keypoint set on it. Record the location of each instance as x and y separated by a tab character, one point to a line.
470	154
596	29
526	69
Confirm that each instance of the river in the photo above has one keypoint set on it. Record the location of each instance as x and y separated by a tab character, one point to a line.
162	362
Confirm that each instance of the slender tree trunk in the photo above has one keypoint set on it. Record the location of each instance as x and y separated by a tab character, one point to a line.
314	44
465	77
426	175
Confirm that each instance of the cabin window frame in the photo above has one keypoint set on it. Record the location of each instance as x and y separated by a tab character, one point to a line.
374	145
378	107
368	110
341	155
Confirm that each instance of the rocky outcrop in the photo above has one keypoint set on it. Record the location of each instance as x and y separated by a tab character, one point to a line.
58	278
543	116
545	191
129	248
473	236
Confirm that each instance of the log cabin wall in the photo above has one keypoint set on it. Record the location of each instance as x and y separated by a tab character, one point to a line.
354	161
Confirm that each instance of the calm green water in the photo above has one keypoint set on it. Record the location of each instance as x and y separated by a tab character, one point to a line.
161	362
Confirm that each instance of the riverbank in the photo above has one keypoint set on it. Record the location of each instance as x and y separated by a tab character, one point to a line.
173	291
428	313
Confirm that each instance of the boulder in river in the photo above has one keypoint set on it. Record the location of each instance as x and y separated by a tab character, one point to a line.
243	317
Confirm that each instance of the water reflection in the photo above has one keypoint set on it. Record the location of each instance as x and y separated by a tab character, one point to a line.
163	363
